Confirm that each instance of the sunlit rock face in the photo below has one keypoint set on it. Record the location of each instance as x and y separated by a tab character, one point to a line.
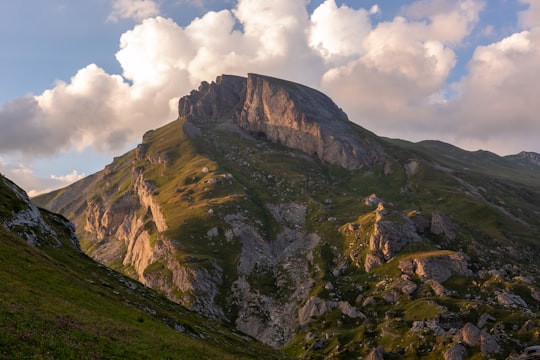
286	113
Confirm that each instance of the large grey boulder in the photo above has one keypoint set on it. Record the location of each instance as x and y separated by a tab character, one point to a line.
439	266
456	352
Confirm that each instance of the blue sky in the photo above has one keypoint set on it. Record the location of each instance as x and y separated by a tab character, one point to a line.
81	81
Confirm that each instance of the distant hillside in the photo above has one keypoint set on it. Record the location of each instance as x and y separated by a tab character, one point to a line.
57	303
264	207
527	159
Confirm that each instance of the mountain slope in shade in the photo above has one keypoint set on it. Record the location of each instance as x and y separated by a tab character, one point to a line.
264	207
56	303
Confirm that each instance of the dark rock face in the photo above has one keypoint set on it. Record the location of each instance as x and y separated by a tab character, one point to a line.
215	100
286	113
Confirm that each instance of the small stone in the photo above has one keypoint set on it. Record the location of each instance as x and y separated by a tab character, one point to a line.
369	301
484	319
329	286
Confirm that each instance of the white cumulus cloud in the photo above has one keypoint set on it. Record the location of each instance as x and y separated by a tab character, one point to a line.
498	101
69	178
338	31
133	9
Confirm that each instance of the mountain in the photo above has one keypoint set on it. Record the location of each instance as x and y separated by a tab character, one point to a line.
57	303
262	206
526	158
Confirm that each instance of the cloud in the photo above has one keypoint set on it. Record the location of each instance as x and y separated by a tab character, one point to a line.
393	81
498	101
69	178
24	176
530	17
338	31
375	9
133	9
448	21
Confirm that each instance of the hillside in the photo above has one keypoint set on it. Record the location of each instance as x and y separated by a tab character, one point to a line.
262	206
57	303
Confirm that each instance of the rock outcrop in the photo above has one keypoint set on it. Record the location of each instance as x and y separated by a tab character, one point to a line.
25	219
442	225
270	317
438	266
392	231
316	306
213	100
286	113
473	336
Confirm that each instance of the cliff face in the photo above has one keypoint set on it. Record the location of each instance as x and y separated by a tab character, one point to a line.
286	113
215	100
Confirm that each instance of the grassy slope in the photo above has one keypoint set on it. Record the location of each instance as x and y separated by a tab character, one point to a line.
56	303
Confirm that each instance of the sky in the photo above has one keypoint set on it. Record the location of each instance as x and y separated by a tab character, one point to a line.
81	81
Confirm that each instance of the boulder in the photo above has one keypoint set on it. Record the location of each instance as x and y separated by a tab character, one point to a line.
370	300
484	319
408	287
372	200
470	334
442	225
392	231
438	266
376	354
456	352
437	288
349	310
511	299
371	262
315	306
527	326
489	344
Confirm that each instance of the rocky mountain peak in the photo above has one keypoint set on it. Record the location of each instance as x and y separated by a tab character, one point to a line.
530	156
287	113
213	100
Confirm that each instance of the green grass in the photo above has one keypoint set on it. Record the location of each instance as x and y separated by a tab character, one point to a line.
59	304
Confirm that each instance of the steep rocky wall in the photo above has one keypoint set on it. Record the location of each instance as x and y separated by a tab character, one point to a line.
144	190
213	100
303	118
286	113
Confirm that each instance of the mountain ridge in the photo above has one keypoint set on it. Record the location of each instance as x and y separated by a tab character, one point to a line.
230	211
